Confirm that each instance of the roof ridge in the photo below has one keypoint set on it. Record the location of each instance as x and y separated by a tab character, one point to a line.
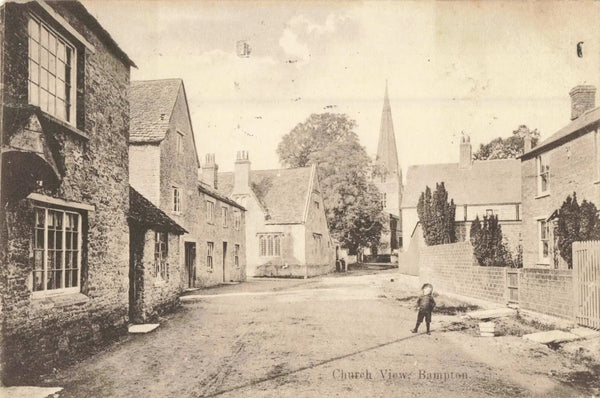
158	80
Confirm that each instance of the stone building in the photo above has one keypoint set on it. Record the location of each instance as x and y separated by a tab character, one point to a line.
568	161
389	182
164	168
478	188
286	228
64	186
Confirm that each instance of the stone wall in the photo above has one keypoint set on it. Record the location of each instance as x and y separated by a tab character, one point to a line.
43	332
452	268
548	291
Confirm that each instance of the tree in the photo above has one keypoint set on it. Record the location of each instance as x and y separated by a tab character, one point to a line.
576	223
488	244
352	202
437	216
506	148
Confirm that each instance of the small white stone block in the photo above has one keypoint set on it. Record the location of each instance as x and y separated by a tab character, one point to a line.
144	328
490	314
28	392
585	333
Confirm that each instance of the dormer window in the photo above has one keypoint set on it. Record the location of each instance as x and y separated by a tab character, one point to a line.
51	71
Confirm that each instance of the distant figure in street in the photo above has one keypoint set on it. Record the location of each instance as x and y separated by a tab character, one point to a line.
425	305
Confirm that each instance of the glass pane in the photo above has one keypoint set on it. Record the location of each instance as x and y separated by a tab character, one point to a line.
40	217
51	104
38	281
34	94
52	43
44	58
44	79
74	280
38	260
60	51
44	39
34	29
60	71
52	64
34	72
39	239
34	50
68	241
60	109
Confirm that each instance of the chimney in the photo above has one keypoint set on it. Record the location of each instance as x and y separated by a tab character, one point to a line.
210	170
241	179
465	157
583	98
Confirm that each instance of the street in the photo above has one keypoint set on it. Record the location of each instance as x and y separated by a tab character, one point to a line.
329	336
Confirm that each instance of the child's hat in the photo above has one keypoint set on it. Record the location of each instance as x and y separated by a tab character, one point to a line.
427	288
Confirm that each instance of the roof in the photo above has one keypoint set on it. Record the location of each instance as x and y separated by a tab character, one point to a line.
485	182
281	192
205	188
143	212
151	105
79	9
588	119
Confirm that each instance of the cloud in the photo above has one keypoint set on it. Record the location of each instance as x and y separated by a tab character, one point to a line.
293	47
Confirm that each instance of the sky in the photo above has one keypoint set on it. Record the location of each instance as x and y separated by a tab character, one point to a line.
452	68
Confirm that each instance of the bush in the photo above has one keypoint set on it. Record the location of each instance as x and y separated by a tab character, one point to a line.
437	216
489	247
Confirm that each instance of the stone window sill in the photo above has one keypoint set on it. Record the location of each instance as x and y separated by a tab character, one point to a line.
47	301
542	195
65	125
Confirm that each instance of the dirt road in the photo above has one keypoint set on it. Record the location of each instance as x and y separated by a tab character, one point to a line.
332	336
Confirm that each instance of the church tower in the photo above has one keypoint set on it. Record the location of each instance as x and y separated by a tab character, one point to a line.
390	182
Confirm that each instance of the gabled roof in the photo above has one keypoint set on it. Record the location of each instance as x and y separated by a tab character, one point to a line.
282	193
143	212
205	188
485	182
151	106
589	119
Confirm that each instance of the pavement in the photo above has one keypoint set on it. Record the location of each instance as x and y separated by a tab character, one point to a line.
329	336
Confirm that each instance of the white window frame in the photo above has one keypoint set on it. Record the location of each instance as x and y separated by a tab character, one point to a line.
176	199
542	161
210	250
179	142
62	290
51	70
269	245
236	255
224	216
210	212
318	239
161	256
237	219
540	225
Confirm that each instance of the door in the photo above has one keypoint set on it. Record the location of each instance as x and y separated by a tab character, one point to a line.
512	276
190	263
136	273
224	261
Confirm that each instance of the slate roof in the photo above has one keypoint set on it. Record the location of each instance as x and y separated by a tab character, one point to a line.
151	105
143	212
281	192
588	119
485	182
205	188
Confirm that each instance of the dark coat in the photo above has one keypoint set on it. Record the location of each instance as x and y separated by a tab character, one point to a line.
426	303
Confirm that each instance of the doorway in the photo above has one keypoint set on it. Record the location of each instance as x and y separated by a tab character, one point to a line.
190	263
224	260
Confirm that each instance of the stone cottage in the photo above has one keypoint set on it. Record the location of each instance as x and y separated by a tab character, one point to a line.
164	168
64	187
566	162
478	187
286	228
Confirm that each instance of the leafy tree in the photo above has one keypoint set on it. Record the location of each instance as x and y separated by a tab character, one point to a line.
505	148
437	216
489	247
576	223
352	202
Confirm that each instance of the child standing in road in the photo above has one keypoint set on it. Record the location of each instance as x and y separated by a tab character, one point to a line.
425	305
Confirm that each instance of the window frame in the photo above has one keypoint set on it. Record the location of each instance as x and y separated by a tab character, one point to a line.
236	255
210	211
176	196
224	216
542	161
210	250
543	242
63	251
237	220
161	255
269	244
70	80
179	142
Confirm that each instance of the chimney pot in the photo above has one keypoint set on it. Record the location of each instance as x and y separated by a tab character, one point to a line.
583	98
210	171
241	179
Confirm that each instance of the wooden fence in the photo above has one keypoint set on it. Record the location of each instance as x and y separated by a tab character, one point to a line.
586	283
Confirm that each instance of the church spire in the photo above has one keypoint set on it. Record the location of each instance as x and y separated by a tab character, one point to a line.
387	153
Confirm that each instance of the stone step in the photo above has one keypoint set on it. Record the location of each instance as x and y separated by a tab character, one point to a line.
585	333
551	336
143	328
29	392
490	314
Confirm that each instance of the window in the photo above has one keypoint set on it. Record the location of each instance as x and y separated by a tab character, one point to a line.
318	248
56	250
236	256
269	245
210	212
179	142
161	252
210	246
384	200
176	200
543	175
237	220
51	72
544	243
224	216
317	204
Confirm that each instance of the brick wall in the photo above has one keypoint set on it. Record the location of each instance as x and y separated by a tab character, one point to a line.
548	291
40	333
573	168
453	269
